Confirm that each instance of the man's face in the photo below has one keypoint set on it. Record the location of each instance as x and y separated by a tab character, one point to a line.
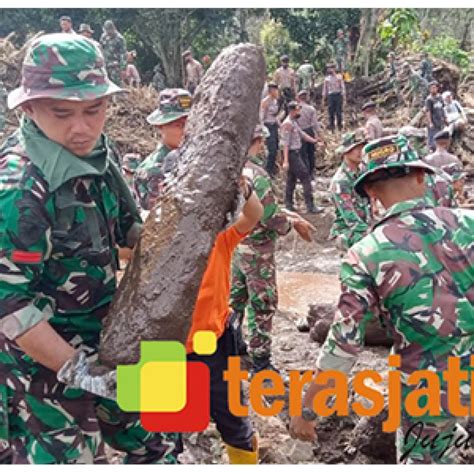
284	65
86	33
75	125
434	90
66	25
332	70
188	58
443	143
448	99
295	113
355	155
273	91
172	133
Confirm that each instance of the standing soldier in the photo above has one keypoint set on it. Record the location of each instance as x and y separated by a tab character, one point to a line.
352	210
434	108
64	207
3	106
373	125
285	79
269	110
170	118
334	94
86	30
308	122
341	51
254	285
441	187
291	136
415	270
193	72
65	23
305	75
393	80
426	68
115	52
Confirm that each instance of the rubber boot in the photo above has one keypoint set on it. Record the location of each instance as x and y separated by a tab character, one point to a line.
241	456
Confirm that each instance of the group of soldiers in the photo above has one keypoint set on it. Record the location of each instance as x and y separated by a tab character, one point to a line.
66	208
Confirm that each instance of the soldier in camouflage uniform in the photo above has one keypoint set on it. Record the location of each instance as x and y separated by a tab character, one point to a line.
64	208
3	106
115	52
170	118
254	273
341	51
352	210
415	271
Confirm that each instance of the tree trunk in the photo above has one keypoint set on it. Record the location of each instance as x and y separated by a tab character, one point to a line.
368	35
156	297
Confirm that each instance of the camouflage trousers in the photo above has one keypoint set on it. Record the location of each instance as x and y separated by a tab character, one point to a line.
254	290
115	74
43	422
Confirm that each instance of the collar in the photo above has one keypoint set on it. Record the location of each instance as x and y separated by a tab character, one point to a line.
256	160
402	207
57	164
348	171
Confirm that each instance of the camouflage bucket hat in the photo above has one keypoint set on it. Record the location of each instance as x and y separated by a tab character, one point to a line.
62	66
173	104
260	132
351	140
386	154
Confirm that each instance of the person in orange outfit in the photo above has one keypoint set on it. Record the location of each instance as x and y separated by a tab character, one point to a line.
213	313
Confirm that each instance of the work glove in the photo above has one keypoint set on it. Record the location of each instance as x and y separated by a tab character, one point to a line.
77	372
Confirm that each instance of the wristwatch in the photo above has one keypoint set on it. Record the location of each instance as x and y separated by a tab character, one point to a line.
308	414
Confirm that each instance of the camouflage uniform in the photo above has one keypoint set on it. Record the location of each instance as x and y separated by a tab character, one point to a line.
439	190
414	271
61	218
149	176
254	274
352	210
115	53
3	106
305	75
341	47
131	161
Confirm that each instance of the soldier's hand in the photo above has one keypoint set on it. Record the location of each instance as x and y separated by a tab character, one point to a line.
304	228
302	429
77	372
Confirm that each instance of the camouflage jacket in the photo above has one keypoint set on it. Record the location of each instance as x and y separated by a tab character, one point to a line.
61	218
148	178
115	50
341	47
439	190
274	222
415	271
352	210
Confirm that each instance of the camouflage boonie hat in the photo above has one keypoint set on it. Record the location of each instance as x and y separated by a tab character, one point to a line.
62	66
131	161
388	153
173	104
85	27
350	140
260	132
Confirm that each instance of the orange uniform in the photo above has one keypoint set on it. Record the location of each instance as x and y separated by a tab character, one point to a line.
212	304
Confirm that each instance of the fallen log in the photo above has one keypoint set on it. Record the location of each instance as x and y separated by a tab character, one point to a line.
156	296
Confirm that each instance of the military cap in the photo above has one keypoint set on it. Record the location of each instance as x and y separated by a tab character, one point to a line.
65	18
173	104
85	27
330	65
392	54
294	105
186	53
350	140
272	85
369	105
446	94
386	155
455	170
62	66
442	135
131	161
339	31
433	83
302	93
260	132
285	58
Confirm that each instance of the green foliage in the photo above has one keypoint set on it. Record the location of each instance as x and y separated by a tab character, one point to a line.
448	48
401	27
276	41
314	30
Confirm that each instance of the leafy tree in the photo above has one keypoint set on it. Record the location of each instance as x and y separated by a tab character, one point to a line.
400	28
448	48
